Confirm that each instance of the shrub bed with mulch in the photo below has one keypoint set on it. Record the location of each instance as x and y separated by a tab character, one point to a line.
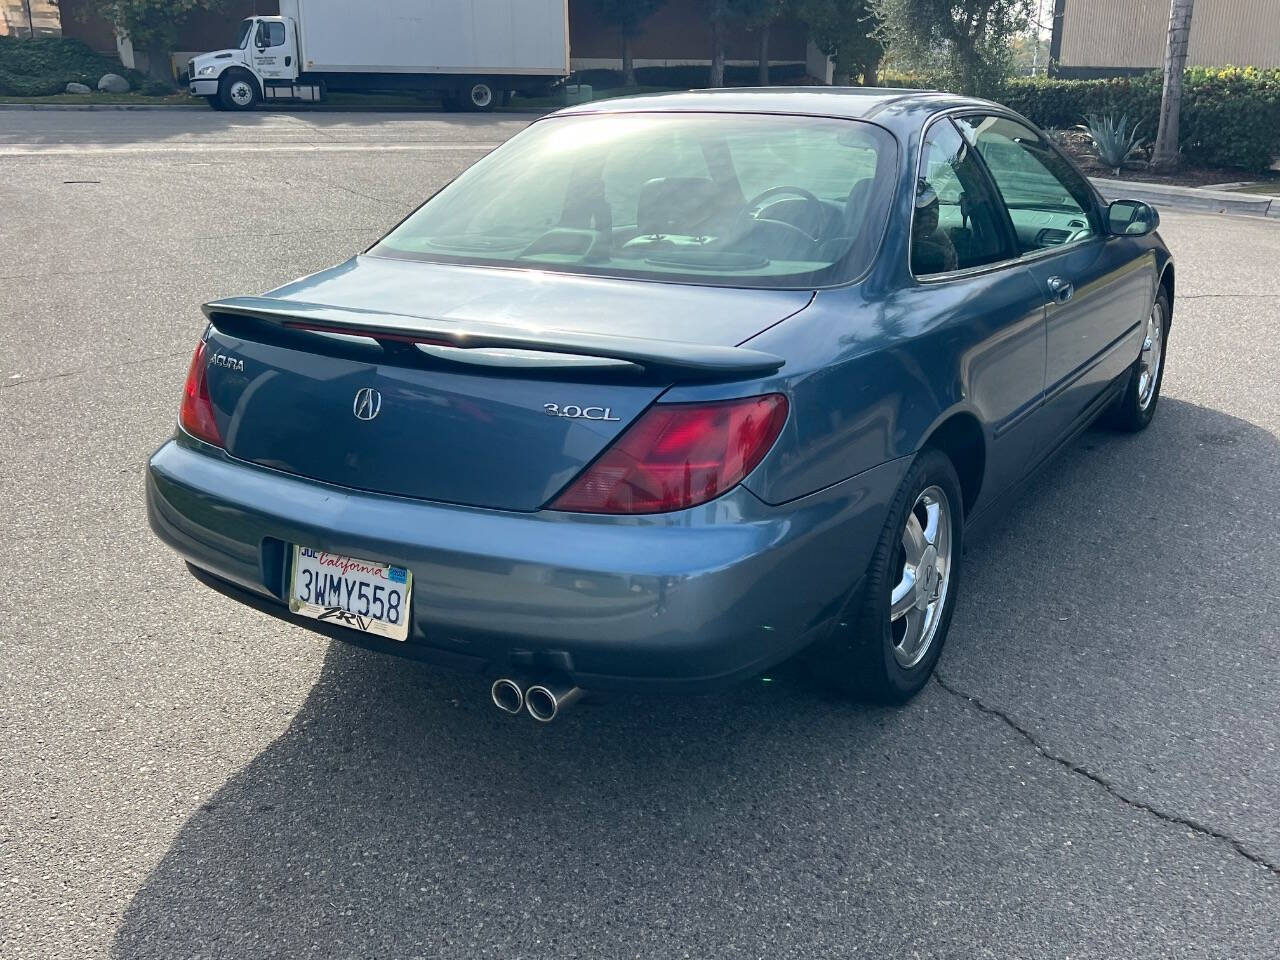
1230	116
43	66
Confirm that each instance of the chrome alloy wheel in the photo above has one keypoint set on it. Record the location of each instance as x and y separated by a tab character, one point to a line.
920	595
481	95
1151	357
241	93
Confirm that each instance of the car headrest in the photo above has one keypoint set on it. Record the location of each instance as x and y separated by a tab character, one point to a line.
855	207
679	205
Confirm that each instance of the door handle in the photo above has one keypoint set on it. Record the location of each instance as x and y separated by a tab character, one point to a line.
1060	289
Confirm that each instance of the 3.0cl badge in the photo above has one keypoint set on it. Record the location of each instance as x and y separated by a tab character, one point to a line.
574	412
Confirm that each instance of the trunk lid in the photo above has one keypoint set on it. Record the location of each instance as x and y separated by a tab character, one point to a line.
487	388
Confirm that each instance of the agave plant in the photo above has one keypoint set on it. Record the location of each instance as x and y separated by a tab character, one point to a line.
1113	142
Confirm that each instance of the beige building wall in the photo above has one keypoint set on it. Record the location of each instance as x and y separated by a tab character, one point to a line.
1131	33
44	17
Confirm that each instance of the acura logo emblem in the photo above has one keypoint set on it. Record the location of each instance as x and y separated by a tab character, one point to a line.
367	404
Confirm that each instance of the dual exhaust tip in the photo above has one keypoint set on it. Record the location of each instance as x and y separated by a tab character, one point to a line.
543	701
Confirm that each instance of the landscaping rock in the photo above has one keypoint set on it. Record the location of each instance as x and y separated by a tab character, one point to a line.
113	83
78	88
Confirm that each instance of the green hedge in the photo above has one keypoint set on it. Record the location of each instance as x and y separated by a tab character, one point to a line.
1230	116
45	65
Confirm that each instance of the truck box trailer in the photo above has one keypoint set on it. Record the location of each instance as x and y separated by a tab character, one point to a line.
470	53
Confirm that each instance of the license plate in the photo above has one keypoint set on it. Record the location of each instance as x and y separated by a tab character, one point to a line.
362	594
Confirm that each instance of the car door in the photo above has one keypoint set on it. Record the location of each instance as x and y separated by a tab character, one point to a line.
1095	293
967	267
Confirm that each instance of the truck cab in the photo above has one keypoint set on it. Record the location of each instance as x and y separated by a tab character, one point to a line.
262	66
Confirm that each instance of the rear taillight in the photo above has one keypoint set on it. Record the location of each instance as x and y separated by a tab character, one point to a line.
678	455
196	415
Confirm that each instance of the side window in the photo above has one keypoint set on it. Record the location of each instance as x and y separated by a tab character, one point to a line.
958	222
269	35
1049	202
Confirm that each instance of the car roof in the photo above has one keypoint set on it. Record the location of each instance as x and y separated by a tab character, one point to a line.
861	103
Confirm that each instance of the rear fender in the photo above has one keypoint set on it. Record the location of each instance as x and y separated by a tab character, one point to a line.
863	390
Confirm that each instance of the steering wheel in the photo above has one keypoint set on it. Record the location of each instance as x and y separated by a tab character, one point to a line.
817	208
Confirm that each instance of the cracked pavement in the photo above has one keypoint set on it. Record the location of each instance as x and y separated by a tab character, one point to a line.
1095	772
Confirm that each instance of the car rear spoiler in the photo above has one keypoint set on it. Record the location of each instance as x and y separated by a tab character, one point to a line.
682	361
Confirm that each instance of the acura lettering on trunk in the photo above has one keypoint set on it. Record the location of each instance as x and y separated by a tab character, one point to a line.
668	389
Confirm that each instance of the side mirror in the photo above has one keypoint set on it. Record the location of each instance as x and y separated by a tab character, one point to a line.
1131	218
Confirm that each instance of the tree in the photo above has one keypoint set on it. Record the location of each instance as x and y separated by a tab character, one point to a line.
627	16
966	43
754	14
758	16
150	25
848	32
719	13
1165	153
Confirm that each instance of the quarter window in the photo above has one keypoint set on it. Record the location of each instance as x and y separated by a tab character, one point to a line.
957	222
1049	202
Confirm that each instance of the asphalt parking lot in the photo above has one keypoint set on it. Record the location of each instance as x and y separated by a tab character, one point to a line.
1095	773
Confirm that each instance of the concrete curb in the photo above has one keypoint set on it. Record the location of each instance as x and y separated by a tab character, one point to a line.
294	110
101	106
1190	198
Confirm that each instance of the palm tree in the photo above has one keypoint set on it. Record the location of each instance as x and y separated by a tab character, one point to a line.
1165	153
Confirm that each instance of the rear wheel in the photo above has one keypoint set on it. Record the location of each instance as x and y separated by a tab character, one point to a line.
900	618
237	91
478	97
1135	408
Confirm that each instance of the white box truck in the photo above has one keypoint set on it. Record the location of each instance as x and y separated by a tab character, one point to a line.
470	53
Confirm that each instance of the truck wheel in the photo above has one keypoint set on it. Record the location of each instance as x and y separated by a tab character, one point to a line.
237	91
214	102
479	97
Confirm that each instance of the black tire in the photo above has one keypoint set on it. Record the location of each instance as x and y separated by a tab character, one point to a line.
237	90
478	97
860	659
214	102
1135	408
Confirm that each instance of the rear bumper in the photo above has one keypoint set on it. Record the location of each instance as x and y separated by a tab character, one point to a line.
683	601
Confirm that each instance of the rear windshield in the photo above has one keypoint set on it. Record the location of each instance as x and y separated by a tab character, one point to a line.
738	200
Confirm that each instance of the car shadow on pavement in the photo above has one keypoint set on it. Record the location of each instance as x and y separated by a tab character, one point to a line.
400	814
